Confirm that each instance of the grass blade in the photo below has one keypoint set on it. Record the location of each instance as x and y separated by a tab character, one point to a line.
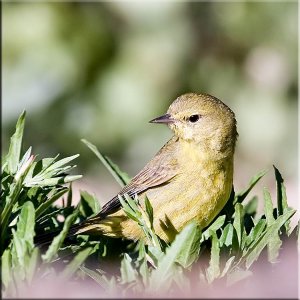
74	265
120	177
128	273
31	264
26	223
282	205
124	177
217	224
15	146
256	249
89	204
149	210
52	181
11	199
227	266
256	232
160	278
238	223
96	276
60	163
58	240
275	242
213	271
6	266
44	206
227	236
241	196
251	207
190	253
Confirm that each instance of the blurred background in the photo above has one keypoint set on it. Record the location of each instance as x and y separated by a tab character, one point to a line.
101	71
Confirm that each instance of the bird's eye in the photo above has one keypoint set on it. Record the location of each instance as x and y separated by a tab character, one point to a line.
194	118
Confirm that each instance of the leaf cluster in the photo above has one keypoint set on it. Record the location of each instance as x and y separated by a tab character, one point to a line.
225	250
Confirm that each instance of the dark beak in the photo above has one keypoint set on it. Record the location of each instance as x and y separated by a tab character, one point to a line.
165	119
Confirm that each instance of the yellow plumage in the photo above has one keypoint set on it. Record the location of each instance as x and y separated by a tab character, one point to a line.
190	178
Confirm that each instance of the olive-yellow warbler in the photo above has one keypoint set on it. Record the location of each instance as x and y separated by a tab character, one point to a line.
190	178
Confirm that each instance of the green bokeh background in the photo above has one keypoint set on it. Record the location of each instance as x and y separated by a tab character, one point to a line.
102	70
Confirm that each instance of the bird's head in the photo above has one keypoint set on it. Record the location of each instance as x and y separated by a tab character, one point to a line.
201	118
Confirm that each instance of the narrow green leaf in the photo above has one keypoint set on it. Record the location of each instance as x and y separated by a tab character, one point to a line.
4	165
282	205
18	255
112	288
255	250
120	177
44	206
190	252
46	217
124	177
11	200
89	204
144	271
52	181
217	224
268	207
128	273
149	210
281	199
141	249
76	262
238	222
154	255
58	240
136	213
14	151
96	276
213	271
6	268
227	236
31	262
251	206
275	242
142	258
43	164
26	223
60	163
228	265
182	281
128	210
160	278
69	196
241	196
25	158
256	232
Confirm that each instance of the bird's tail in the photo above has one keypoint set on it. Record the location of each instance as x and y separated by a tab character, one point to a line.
47	238
108	226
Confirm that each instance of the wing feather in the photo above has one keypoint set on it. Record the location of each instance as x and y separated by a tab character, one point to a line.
159	170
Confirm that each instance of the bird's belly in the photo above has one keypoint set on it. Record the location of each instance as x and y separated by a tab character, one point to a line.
198	196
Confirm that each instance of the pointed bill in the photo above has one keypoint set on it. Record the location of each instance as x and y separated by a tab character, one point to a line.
164	119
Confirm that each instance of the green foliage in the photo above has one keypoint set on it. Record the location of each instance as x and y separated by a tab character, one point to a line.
227	248
29	189
121	177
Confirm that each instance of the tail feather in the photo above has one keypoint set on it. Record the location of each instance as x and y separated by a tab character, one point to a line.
45	238
109	226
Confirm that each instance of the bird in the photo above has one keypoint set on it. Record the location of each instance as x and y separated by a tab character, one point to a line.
189	179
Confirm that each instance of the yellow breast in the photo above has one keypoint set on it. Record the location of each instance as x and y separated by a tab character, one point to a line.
197	193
